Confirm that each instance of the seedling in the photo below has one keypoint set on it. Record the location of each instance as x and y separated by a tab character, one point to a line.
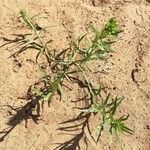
68	62
34	41
100	46
107	108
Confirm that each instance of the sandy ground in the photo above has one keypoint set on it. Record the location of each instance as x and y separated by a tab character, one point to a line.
127	72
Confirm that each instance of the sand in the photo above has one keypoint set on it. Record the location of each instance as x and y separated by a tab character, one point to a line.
127	71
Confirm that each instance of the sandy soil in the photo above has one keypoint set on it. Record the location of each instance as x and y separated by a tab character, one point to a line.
126	72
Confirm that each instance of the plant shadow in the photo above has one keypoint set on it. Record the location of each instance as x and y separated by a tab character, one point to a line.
22	114
23	42
76	126
74	143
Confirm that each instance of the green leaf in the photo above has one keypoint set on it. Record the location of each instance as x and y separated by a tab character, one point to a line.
27	19
118	126
111	28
